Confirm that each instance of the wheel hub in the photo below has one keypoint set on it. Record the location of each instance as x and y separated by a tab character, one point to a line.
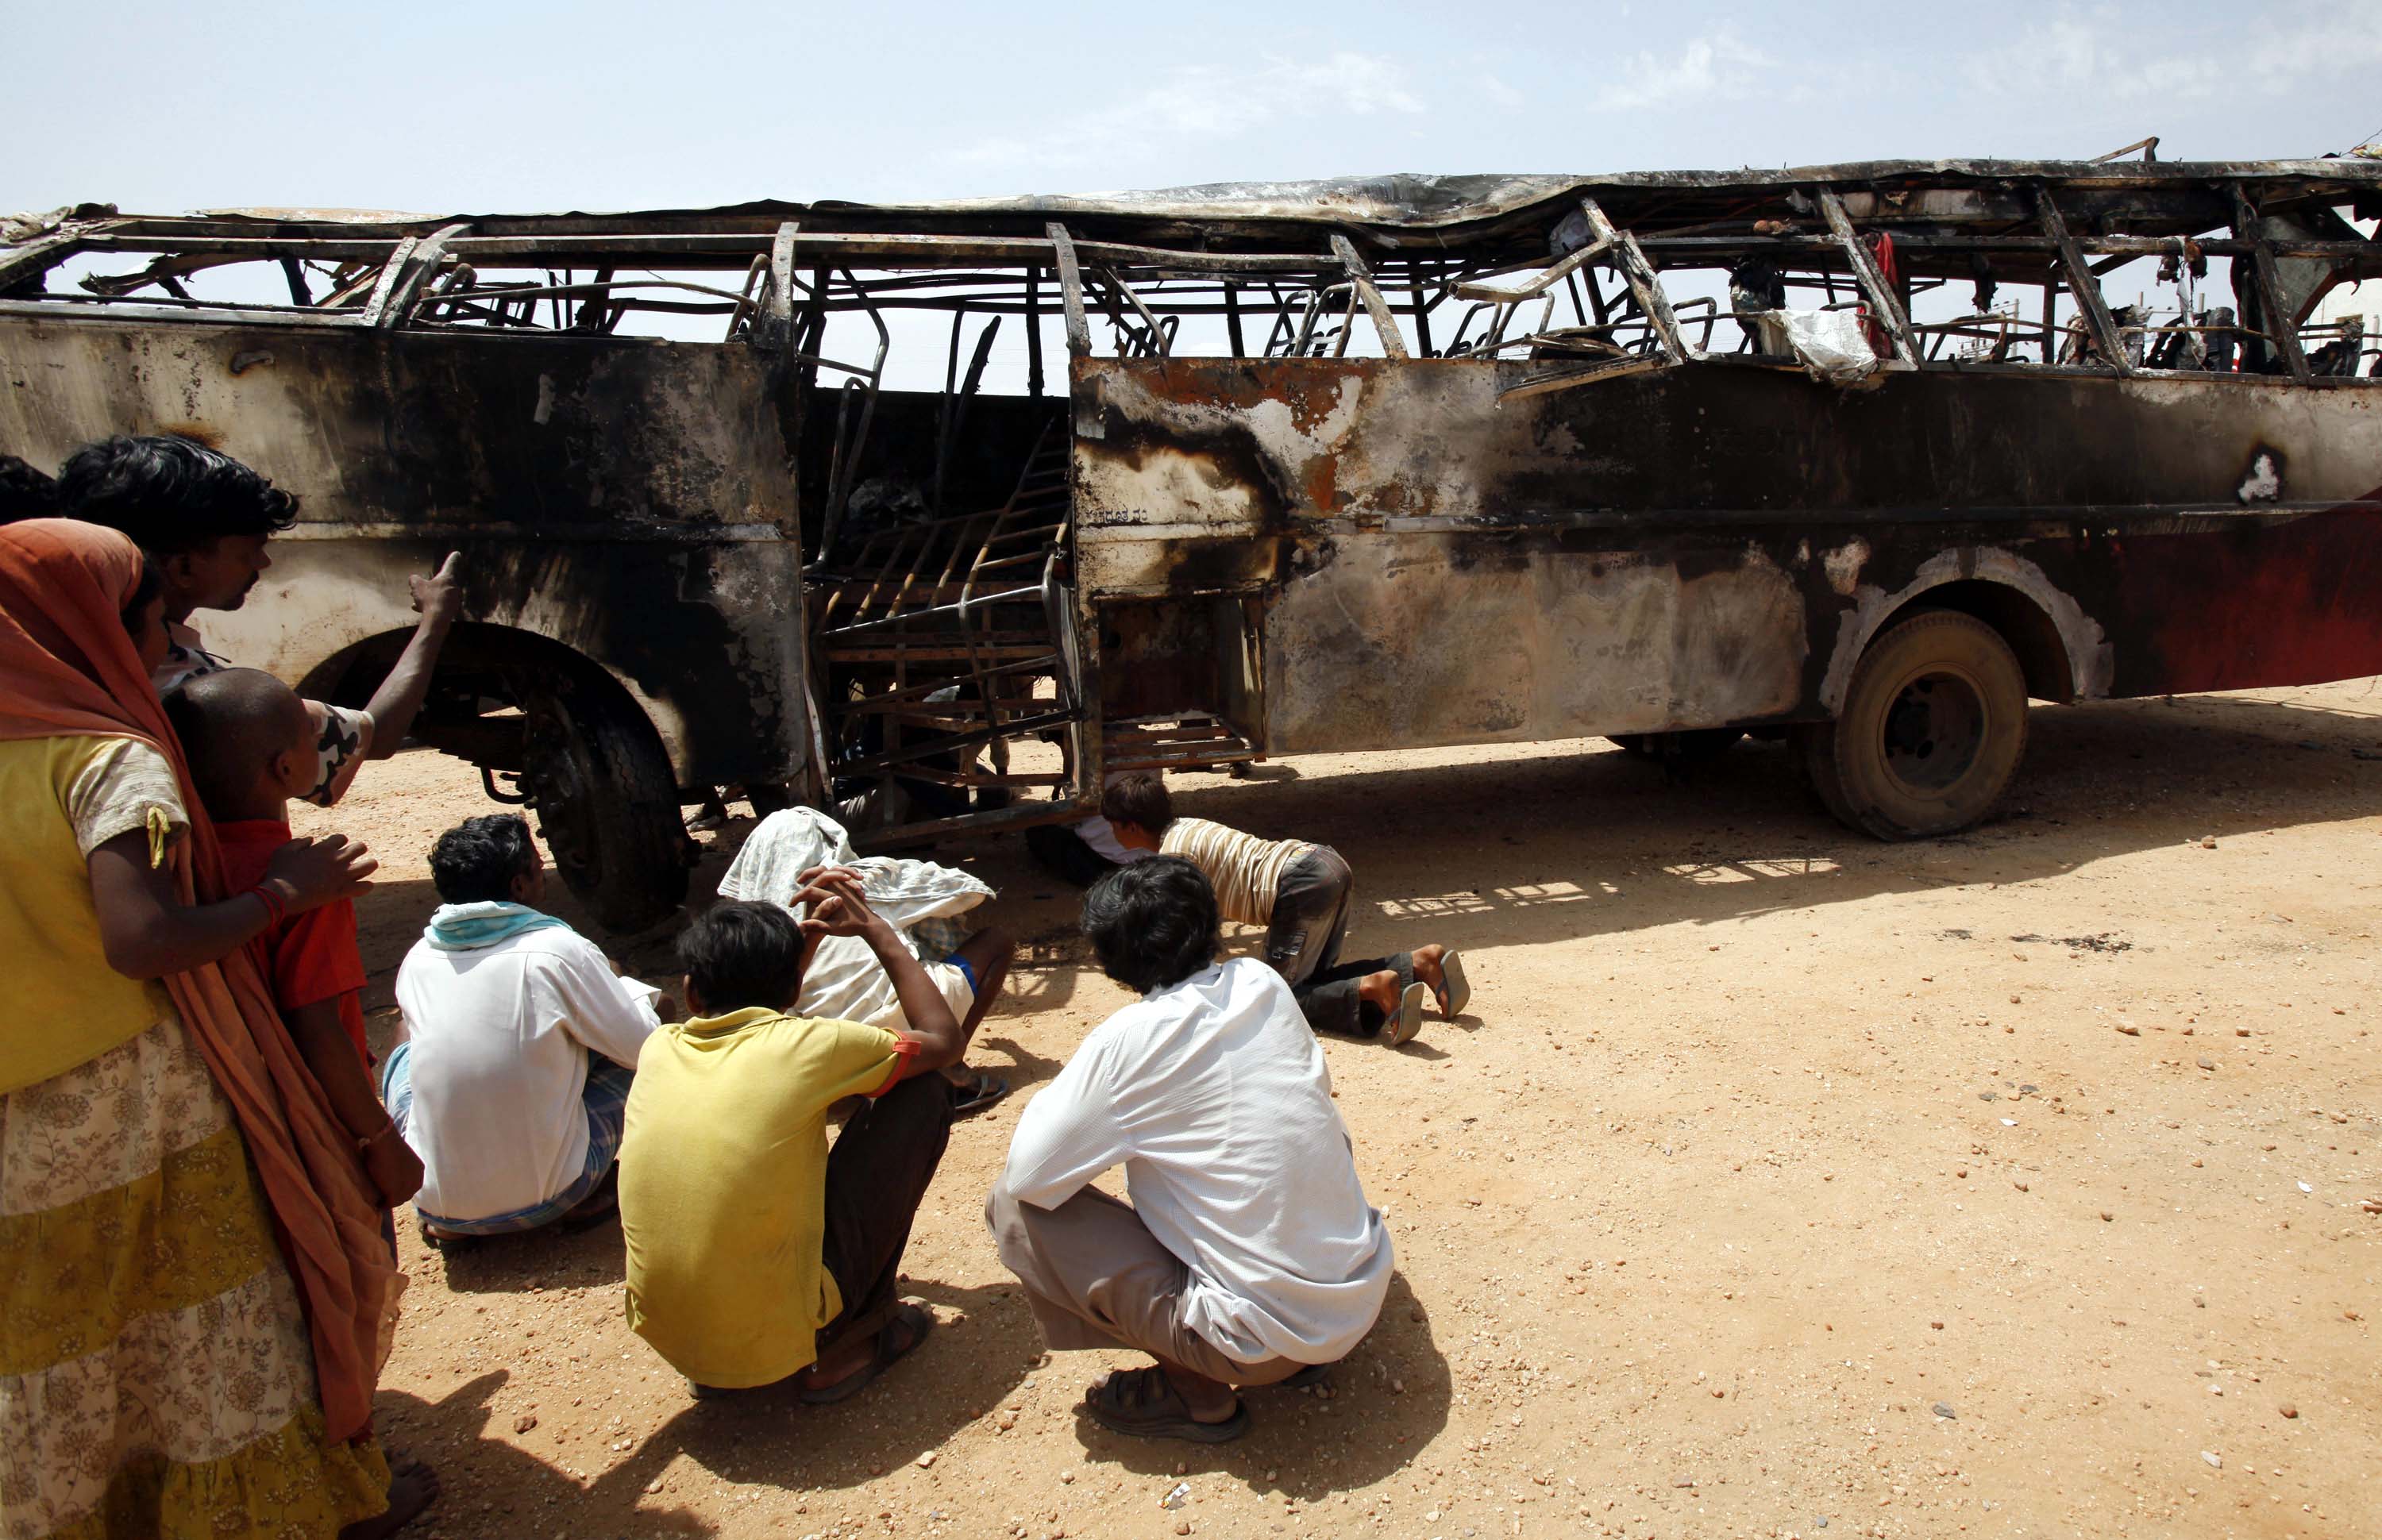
1934	732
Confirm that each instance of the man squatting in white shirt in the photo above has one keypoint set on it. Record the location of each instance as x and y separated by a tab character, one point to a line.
1248	1252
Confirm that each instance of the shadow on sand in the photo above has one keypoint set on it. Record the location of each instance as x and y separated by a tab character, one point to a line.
1501	851
1556	847
1387	1401
1302	1444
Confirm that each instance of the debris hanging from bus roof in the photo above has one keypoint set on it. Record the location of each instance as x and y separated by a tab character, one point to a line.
937	513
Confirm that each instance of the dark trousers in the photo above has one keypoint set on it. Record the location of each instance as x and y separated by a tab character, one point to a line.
1311	910
876	1176
1062	852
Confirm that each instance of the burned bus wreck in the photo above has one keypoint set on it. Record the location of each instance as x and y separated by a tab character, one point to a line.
937	513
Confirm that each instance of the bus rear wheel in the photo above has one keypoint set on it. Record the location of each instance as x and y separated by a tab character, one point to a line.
1933	727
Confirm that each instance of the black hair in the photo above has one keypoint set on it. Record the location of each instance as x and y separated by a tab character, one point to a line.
230	723
25	492
172	495
738	955
1141	798
475	862
1153	922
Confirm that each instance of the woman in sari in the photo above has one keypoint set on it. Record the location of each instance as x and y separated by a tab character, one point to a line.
191	1268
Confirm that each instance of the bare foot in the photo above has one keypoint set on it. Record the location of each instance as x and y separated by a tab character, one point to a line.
841	1363
412	1487
1381	991
1166	1400
1210	1400
1427	970
891	1342
854	1349
440	1239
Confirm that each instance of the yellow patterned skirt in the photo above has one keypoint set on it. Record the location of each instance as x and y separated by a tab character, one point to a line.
156	1378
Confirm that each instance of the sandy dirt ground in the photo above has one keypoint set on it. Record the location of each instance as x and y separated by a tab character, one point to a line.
1778	1182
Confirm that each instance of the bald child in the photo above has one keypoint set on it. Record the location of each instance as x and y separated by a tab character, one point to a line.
251	744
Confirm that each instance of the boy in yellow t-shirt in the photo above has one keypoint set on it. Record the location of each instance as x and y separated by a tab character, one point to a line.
754	1252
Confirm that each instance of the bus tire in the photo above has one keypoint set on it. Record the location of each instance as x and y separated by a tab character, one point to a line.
1933	727
1687	749
606	803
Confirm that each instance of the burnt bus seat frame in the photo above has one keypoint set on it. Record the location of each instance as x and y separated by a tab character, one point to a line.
929	652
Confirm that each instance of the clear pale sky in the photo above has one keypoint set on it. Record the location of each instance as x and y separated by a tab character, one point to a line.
439	108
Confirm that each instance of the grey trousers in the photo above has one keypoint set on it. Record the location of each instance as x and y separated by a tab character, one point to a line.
1096	1277
1311	910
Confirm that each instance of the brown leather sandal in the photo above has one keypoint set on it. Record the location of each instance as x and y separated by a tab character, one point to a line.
1143	1404
896	1340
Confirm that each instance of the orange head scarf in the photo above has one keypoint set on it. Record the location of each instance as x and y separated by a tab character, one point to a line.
68	668
67	664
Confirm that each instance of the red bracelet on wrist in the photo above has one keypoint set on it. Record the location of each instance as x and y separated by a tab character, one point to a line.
273	908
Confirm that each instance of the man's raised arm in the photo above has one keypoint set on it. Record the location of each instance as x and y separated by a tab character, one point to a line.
394	705
831	903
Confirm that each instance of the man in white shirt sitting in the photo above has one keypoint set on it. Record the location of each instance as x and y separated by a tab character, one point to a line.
1248	1252
520	1044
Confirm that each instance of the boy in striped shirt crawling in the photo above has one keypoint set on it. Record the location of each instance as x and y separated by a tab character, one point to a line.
1303	894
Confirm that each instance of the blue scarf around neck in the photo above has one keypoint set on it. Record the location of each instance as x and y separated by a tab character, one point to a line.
469	927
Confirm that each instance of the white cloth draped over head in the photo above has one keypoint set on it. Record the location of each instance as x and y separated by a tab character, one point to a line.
844	981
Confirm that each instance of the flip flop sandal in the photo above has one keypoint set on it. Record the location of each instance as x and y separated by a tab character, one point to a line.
1400	1030
447	1241
910	1317
985	1094
1141	1404
1455	992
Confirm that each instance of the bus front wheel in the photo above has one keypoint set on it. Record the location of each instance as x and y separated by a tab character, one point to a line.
1932	729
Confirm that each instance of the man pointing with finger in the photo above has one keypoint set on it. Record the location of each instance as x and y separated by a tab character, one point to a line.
204	519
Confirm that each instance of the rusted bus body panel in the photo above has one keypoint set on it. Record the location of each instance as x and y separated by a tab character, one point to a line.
1415	639
2254	604
626	499
1711	544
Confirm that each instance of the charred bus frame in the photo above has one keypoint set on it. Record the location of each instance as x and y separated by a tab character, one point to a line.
1346	474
